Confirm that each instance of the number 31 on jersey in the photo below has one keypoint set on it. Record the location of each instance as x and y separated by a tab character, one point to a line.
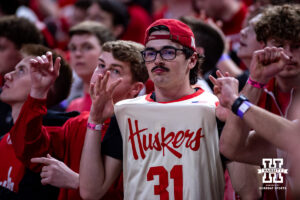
163	174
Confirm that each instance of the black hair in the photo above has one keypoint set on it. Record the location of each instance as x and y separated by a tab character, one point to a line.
118	10
9	7
19	30
83	4
209	39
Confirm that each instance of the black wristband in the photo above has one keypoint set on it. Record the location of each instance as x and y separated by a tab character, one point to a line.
236	104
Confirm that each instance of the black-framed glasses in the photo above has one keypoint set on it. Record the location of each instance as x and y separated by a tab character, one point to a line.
166	53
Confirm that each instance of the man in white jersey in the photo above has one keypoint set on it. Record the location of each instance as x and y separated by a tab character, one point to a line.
169	143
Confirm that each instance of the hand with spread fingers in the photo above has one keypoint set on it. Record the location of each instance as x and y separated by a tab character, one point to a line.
225	88
56	173
43	74
102	102
267	63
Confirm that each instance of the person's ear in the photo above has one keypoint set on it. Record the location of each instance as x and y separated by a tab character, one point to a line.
193	60
118	30
135	89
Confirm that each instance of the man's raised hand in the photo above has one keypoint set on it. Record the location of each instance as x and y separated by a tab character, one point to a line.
43	74
102	100
267	63
225	88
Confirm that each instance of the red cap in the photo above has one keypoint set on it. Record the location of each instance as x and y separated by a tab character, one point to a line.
179	32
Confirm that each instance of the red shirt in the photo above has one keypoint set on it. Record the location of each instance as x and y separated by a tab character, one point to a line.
234	25
160	13
80	104
1	81
31	139
139	22
273	100
11	169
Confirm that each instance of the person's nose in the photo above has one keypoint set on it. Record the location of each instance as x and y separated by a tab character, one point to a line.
243	32
8	76
77	52
158	59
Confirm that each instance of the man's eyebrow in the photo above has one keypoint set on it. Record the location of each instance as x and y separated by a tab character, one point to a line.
113	64
101	60
168	46
149	48
117	65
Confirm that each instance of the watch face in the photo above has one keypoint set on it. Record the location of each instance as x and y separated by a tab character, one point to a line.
244	107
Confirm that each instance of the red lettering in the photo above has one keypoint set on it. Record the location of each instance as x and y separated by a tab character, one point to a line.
189	136
196	140
156	143
143	142
131	138
171	135
178	142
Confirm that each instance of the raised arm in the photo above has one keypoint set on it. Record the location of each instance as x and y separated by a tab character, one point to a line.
97	172
236	142
43	73
29	137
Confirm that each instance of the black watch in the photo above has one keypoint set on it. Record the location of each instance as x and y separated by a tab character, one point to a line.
236	104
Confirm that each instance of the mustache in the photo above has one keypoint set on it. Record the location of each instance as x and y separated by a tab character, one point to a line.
159	66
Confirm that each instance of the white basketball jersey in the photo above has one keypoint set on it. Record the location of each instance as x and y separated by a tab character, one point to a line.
170	150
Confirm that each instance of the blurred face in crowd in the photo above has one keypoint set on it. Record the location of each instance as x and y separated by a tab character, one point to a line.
84	53
167	73
211	7
78	16
9	55
17	83
118	69
95	13
248	42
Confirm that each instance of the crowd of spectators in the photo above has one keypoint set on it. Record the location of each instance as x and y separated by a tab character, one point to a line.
58	57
